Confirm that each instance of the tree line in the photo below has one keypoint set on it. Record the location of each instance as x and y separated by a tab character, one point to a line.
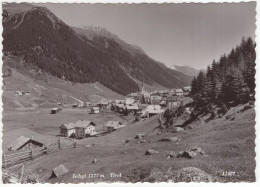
229	81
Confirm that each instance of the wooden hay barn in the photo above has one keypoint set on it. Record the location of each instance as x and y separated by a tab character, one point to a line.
113	125
55	110
59	171
10	136
24	143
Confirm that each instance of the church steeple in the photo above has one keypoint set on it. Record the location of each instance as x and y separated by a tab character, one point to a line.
143	90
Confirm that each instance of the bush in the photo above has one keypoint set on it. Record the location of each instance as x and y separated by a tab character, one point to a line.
223	110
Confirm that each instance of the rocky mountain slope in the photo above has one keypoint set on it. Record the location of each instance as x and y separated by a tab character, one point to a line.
82	55
186	70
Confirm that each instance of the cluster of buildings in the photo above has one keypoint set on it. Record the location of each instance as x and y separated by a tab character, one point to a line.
185	91
84	128
144	103
141	104
21	93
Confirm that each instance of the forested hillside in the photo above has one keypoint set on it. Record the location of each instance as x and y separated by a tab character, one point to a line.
229	81
132	59
46	42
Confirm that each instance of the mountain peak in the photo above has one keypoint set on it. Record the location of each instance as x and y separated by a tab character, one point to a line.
45	11
187	70
101	31
37	12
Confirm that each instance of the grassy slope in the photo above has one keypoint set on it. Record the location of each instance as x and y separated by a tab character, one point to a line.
229	146
30	115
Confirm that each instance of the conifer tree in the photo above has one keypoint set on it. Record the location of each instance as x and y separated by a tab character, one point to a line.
230	80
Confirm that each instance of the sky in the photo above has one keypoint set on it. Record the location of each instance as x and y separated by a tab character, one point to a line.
176	34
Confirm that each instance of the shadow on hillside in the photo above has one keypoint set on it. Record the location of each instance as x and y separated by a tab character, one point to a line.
187	122
247	107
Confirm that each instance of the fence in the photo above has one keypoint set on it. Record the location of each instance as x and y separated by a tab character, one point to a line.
24	156
14	175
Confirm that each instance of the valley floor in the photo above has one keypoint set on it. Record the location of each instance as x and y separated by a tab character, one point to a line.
228	145
228	142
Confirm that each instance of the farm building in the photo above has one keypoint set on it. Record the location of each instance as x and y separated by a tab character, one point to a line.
103	104
55	110
84	128
133	95
80	129
129	101
163	103
119	107
80	105
87	103
75	105
118	101
172	102
113	125
154	109
187	89
179	92
132	108
172	92
143	114
155	99
94	110
20	93
24	143
10	136
67	130
188	110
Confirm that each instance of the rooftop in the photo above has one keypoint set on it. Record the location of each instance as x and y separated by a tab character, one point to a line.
80	124
113	124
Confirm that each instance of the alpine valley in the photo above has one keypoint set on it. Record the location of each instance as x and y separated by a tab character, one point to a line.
81	55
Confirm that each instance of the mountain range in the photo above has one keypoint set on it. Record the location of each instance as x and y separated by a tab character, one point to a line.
186	70
85	55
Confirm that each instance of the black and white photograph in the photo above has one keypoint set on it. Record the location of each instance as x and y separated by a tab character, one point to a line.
128	92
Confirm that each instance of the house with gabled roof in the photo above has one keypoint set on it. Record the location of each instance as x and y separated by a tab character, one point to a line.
80	129
153	109
67	130
94	110
24	143
179	92
132	108
113	125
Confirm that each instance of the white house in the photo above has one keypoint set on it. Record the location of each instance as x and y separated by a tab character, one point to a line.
80	129
153	109
156	99
129	101
187	89
179	92
84	128
80	105
132	108
94	110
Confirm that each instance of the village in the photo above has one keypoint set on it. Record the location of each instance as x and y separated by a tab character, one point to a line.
135	107
129	93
